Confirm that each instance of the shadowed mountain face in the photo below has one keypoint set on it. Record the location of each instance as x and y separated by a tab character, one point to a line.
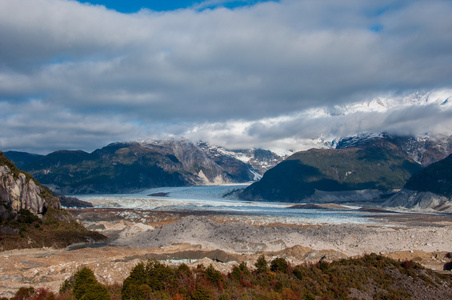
430	188
377	164
436	178
128	167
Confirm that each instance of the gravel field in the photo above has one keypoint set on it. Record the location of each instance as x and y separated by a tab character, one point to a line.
223	240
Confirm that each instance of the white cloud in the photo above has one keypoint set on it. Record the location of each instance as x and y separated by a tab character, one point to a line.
186	71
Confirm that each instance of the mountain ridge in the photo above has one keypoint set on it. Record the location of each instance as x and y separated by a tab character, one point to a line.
131	166
430	188
373	164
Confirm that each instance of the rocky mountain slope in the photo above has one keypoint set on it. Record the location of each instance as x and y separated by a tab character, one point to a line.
31	216
373	164
424	150
431	188
128	167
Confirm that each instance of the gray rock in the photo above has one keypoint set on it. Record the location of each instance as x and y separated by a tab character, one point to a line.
406	198
21	192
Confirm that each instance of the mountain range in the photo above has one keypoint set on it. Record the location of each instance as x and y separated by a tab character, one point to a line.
364	168
132	166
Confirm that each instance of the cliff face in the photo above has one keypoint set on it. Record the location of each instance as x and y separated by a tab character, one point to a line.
21	192
18	190
31	216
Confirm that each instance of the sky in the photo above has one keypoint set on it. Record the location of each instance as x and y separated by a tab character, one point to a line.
288	74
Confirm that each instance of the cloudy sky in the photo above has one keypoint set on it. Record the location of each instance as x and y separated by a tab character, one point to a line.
273	74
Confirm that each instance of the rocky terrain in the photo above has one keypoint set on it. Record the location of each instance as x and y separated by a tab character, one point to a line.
224	241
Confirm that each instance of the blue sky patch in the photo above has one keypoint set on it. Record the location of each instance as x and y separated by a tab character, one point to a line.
133	6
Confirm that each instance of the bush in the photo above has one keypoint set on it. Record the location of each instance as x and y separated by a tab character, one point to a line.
202	293
279	265
214	276
96	291
131	286
144	279
158	275
261	264
23	293
67	285
87	287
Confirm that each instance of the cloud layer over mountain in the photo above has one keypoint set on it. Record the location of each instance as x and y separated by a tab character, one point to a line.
79	76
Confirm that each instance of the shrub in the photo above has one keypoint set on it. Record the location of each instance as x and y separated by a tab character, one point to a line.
158	275
279	265
184	270
144	279
131	286
43	294
87	287
261	264
67	285
96	291
23	293
202	293
214	276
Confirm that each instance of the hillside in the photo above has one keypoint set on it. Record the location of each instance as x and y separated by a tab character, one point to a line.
128	167
377	164
430	188
31	216
368	277
436	178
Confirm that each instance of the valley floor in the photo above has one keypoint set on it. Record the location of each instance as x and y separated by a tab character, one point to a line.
223	240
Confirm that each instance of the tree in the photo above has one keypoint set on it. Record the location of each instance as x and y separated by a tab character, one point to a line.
279	265
261	264
87	287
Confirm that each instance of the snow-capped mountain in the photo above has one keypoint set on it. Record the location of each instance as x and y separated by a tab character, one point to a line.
441	98
259	160
424	150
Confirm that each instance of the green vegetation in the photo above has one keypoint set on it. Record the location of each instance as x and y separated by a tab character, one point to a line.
374	276
380	165
57	229
436	178
87	287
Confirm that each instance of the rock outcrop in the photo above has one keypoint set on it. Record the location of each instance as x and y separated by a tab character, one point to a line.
20	191
419	201
31	216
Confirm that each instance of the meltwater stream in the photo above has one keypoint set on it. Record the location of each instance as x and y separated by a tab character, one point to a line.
210	199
